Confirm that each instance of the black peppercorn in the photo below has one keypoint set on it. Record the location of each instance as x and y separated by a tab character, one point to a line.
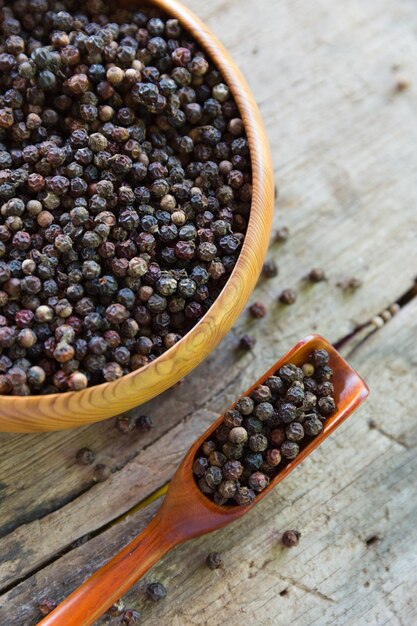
232	418
130	617
270	269
213	476
247	342
319	357
232	470
325	389
258	442
253	461
253	425
217	459
208	447
200	466
288	296
258	481
156	591
316	275
232	450
312	425
245	405
326	406
258	310
294	431
227	489
262	393
275	384
214	560
244	496
273	456
289	449
287	413
85	456
290	538
264	411
323	373
144	423
291	373
295	395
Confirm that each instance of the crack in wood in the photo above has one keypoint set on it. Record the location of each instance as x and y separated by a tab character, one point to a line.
295	583
398	440
377	322
80	541
42	512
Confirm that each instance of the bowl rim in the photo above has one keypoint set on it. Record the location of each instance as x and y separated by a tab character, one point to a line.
71	409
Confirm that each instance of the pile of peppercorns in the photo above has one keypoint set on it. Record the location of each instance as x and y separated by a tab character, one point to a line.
266	430
125	191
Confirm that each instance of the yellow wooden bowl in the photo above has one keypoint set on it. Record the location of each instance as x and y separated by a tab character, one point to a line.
71	409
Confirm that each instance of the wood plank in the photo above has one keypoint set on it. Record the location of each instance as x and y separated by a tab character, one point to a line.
337	184
344	152
359	485
92	510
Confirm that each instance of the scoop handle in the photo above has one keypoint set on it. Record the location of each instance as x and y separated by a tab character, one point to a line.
87	603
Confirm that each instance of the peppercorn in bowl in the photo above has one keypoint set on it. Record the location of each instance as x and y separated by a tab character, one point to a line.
136	200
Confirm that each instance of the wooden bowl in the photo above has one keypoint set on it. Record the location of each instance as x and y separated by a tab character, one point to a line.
71	409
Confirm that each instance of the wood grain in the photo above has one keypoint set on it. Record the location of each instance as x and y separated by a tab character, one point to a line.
343	144
72	409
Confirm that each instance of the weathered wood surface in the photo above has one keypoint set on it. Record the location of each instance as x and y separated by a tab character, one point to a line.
344	151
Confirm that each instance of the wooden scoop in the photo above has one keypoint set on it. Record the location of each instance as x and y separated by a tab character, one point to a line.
186	512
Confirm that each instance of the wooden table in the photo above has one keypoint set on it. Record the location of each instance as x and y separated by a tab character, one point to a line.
344	147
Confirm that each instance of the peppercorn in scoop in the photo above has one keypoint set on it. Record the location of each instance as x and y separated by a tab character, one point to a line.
125	190
265	430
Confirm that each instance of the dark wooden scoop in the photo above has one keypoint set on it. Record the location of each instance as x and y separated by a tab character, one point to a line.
186	512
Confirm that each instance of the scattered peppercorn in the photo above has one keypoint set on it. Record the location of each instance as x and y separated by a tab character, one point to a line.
214	560
402	83
46	606
316	275
85	456
258	310
290	538
144	423
265	431
156	592
247	342
288	296
125	191
130	617
270	269
125	424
